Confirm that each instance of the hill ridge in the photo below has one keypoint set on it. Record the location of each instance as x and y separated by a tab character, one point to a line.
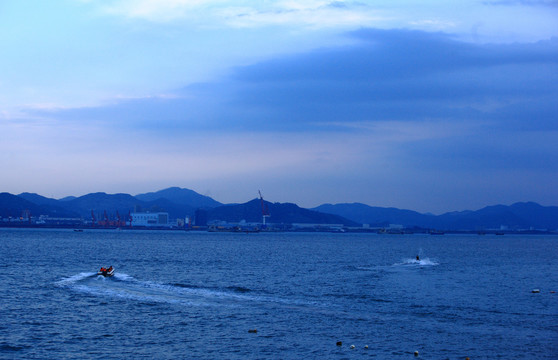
181	203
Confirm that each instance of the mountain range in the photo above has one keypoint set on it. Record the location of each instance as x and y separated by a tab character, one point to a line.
523	215
180	203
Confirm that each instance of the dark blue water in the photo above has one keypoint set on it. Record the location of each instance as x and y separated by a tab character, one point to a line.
183	295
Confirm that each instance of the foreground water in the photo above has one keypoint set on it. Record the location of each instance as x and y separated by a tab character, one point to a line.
183	295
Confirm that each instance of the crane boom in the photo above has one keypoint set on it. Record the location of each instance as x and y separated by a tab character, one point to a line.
265	210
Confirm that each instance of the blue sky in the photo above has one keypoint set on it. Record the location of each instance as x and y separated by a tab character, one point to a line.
433	106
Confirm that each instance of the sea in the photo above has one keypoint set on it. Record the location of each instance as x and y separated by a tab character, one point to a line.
202	295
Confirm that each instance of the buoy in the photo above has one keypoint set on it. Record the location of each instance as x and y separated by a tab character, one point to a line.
416	353
535	291
253	331
339	343
352	346
366	346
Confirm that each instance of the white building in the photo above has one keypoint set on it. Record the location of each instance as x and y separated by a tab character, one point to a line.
150	219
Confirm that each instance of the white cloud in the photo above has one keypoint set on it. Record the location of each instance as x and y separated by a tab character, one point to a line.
433	24
156	10
314	13
476	22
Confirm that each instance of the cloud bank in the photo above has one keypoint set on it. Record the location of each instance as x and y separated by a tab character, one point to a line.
386	76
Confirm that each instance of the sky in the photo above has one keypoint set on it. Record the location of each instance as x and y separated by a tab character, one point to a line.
427	105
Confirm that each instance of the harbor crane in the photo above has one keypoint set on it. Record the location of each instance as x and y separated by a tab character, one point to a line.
265	210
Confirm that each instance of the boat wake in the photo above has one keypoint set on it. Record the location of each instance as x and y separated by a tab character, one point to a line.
414	262
123	286
75	278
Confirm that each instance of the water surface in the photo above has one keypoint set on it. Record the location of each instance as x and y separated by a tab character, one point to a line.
197	295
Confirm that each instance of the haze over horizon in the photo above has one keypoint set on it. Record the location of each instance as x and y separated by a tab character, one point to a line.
429	106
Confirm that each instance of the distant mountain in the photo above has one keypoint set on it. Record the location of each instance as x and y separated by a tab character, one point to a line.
517	216
376	216
15	206
181	196
100	202
38	199
279	214
180	203
490	217
48	206
524	215
539	216
67	198
175	210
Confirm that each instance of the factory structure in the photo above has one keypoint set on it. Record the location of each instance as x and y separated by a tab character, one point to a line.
149	219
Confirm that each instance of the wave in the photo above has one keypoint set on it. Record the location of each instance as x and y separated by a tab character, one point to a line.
11	348
238	289
415	262
364	268
124	286
75	278
121	276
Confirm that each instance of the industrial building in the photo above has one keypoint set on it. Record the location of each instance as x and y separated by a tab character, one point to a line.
155	219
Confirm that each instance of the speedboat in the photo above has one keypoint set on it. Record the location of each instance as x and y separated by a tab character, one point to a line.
106	272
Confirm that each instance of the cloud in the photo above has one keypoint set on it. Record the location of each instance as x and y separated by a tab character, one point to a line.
155	10
315	14
400	75
210	13
388	75
433	24
523	2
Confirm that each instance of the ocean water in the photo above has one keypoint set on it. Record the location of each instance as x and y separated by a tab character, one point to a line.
180	295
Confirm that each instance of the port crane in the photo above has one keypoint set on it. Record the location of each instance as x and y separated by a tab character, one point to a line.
265	210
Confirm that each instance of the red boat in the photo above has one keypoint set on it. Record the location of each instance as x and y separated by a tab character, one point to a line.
106	272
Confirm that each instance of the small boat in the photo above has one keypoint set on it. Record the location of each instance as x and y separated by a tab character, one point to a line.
106	272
